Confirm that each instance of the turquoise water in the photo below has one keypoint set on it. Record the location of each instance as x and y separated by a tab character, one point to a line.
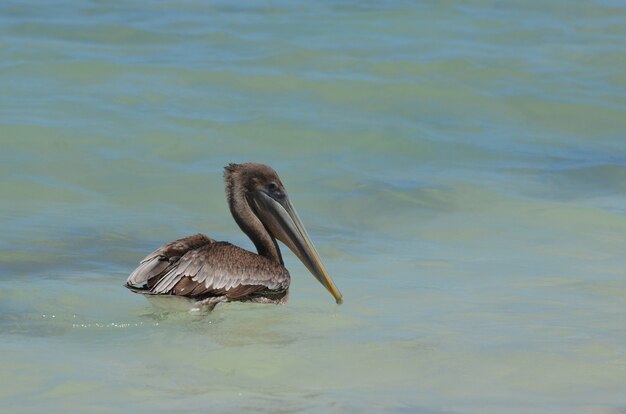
461	167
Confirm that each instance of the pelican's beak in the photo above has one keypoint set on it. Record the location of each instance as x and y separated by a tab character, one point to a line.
283	222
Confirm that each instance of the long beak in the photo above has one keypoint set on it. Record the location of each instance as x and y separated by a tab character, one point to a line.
283	221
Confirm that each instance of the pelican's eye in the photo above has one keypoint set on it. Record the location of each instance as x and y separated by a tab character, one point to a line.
275	191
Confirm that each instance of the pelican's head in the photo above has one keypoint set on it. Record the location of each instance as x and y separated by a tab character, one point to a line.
268	199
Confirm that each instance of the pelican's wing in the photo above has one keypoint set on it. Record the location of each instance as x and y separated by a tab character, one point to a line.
219	269
160	261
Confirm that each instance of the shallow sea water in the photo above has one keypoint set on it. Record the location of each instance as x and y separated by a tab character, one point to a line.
461	167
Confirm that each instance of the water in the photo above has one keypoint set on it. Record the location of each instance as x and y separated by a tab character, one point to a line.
461	167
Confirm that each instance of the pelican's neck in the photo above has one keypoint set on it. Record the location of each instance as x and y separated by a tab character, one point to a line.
250	224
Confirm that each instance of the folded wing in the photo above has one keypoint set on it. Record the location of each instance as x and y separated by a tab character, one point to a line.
199	267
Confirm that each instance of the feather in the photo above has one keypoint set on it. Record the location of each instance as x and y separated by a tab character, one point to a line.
198	267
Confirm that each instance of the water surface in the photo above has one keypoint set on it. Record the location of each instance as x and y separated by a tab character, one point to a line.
461	167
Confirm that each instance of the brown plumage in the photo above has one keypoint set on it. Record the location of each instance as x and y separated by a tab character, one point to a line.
208	271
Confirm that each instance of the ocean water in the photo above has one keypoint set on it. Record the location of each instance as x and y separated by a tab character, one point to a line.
461	167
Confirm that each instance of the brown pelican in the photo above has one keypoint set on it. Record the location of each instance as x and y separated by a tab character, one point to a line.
209	272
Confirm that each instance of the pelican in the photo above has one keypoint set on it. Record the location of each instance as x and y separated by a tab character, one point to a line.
207	272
